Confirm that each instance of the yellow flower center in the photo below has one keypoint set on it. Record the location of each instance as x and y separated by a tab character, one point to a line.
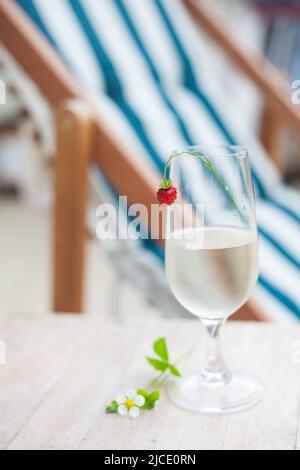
129	403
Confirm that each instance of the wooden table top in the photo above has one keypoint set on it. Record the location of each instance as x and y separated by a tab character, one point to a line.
62	370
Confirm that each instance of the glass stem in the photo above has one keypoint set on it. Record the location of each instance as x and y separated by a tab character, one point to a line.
215	370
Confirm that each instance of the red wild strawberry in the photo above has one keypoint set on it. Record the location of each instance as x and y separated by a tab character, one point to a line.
167	195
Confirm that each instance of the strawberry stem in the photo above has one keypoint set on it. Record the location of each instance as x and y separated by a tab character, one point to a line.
167	182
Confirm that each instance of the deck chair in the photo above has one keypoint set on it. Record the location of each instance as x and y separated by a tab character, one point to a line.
164	97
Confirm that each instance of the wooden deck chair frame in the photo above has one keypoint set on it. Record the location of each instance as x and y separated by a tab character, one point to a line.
83	136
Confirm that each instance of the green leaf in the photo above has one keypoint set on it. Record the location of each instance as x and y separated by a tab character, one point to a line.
174	370
148	405
112	408
158	365
161	349
154	396
151	400
143	392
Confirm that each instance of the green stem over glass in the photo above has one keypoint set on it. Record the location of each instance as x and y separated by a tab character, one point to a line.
208	164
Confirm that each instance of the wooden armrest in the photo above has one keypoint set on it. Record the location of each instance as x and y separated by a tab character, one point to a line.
268	79
74	126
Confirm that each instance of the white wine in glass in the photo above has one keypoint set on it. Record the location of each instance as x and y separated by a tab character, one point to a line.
214	278
212	265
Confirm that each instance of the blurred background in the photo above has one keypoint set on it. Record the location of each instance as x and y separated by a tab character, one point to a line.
27	144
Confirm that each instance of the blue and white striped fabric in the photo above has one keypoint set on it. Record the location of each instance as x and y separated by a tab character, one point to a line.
148	68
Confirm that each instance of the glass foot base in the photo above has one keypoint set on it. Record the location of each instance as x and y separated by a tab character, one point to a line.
218	394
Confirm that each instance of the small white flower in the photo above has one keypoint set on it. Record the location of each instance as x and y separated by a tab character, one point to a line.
130	403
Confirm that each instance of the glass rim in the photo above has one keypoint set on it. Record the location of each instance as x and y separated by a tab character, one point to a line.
219	150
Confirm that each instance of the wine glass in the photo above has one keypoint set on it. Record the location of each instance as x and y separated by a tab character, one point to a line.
212	265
